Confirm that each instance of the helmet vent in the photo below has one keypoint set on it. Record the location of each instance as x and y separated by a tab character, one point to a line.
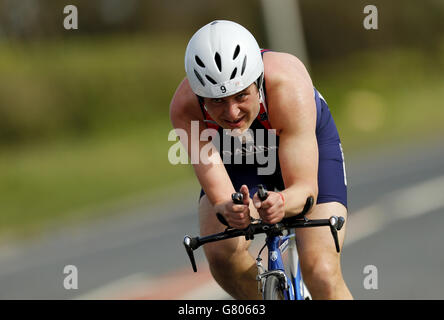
199	77
210	79
236	52
199	62
244	64
218	61
233	74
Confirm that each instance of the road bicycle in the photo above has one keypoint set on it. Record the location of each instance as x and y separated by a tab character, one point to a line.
281	281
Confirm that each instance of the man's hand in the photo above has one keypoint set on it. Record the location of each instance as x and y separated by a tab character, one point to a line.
236	215
270	210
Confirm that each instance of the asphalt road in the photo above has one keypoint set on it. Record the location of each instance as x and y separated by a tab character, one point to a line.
396	219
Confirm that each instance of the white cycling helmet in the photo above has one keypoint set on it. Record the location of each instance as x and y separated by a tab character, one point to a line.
221	59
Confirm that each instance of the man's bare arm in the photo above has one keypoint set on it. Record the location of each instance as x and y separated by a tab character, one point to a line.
213	177
292	113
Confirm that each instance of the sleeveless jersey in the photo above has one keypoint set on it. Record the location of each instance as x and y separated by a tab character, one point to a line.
331	170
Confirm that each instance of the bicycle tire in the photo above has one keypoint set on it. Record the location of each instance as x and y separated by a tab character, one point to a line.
273	289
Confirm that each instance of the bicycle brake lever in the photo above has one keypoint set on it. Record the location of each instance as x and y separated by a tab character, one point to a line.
334	223
190	244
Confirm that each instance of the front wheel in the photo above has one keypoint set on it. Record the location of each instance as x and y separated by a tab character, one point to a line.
273	289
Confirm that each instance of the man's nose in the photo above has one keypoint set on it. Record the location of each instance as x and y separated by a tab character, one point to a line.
232	109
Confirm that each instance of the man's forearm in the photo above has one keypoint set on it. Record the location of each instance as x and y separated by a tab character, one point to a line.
295	198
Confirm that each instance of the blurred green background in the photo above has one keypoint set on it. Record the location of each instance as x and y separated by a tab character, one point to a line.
84	114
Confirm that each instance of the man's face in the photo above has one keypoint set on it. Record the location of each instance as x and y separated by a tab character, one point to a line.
237	111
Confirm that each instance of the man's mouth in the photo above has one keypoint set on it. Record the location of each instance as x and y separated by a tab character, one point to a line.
235	123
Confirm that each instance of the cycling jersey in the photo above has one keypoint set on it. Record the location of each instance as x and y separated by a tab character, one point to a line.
332	183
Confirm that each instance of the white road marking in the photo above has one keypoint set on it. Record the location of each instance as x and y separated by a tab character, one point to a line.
419	199
403	203
364	223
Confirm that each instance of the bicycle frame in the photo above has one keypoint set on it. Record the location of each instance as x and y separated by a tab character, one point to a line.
277	245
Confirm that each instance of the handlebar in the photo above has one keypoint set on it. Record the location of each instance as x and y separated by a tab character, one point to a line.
257	227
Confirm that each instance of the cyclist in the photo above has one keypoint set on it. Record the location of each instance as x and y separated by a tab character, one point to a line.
232	84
